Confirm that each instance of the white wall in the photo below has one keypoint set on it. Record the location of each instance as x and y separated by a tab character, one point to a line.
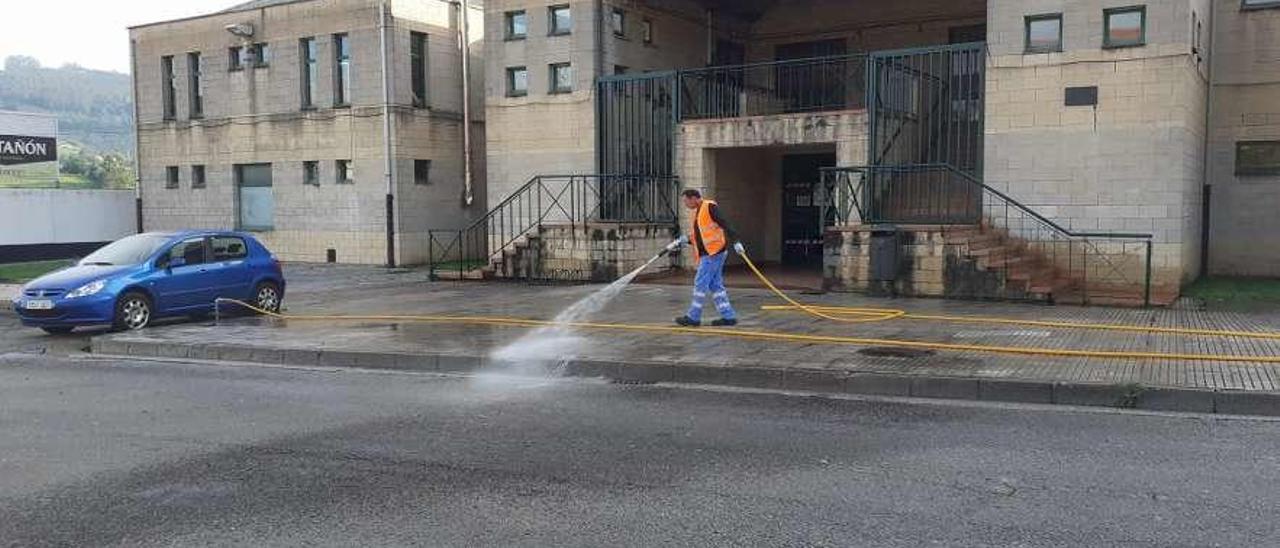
47	216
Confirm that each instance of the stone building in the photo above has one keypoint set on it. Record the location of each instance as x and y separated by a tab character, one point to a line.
270	116
1043	149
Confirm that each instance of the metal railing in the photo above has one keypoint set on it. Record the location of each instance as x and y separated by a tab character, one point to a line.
774	87
552	199
1018	244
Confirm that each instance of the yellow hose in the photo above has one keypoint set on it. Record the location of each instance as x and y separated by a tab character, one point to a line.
833	313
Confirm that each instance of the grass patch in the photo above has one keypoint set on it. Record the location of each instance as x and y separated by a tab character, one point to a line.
18	273
1236	293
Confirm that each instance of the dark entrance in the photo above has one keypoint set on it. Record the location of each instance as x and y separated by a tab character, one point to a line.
801	220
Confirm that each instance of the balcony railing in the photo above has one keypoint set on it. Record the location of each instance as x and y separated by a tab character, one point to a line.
775	87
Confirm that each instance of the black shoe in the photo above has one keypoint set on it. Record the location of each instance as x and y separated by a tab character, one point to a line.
724	323
685	321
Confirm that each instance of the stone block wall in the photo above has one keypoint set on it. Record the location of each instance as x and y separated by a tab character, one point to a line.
597	252
1133	163
255	116
928	265
1245	107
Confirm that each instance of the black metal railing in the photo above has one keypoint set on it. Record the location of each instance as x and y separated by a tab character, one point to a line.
552	199
774	87
1018	243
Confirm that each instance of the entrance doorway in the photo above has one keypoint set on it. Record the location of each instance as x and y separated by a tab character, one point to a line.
801	226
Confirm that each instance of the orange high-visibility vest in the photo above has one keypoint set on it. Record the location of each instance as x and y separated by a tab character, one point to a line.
713	237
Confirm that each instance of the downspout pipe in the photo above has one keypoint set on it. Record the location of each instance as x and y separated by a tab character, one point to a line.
468	175
1207	192
137	132
389	161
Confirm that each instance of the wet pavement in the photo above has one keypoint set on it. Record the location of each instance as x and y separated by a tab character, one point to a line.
351	290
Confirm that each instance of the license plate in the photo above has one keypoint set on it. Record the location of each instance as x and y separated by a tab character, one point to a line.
42	304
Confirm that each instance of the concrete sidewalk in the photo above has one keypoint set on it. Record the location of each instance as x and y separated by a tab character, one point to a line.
645	357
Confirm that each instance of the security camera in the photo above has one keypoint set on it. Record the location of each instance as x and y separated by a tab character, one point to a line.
243	30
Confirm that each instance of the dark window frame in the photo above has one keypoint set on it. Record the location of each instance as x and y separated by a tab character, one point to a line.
311	172
422	172
198	176
1108	43
618	22
235	62
552	28
343	172
1026	33
195	86
511	81
1264	171
240	184
261	54
508	25
341	84
308	66
168	90
418	69
553	86
172	177
1246	5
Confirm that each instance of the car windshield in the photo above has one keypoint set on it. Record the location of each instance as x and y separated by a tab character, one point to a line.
126	251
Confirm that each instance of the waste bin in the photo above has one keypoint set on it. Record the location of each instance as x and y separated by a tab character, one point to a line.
885	244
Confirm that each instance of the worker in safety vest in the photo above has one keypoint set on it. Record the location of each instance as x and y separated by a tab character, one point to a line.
709	239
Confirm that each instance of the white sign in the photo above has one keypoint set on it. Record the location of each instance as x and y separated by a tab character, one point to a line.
28	150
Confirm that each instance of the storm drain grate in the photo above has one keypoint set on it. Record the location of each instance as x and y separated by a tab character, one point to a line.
894	352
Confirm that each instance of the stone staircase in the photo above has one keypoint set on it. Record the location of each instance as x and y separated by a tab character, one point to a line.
1027	271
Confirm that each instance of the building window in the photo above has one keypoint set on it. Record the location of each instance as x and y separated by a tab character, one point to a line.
560	20
234	62
344	174
517	25
561	78
618	22
171	177
341	70
261	55
311	173
422	172
168	87
194	87
620	69
1258	158
1044	33
197	177
418	68
646	31
1259	4
1124	27
310	56
255	201
517	82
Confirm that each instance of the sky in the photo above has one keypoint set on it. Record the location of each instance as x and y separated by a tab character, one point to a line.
90	33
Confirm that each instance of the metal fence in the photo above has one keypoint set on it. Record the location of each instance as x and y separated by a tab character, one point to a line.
775	87
927	106
552	199
636	121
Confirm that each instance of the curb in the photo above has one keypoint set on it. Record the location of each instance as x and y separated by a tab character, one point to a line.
1124	396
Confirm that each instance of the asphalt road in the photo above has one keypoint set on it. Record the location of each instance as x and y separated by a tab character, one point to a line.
97	452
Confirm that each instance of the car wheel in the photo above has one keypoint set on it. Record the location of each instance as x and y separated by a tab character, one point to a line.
61	330
133	311
267	297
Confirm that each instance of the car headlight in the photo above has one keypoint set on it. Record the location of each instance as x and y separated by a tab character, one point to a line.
91	288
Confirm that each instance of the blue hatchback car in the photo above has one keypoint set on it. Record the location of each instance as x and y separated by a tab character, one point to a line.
130	282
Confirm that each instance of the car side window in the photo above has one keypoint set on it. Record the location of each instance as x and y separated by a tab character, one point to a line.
192	251
228	248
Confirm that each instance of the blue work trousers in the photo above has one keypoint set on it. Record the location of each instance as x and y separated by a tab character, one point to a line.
710	280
